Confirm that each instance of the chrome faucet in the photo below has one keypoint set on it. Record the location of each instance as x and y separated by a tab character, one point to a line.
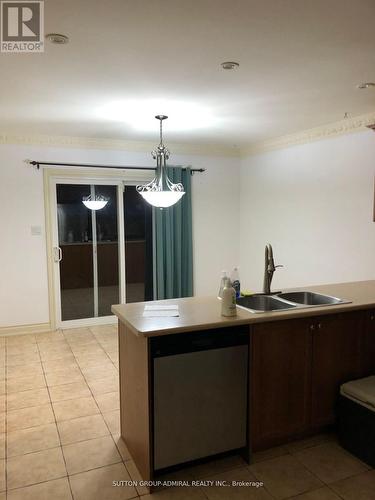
269	269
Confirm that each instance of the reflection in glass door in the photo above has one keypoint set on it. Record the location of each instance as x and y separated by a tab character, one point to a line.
88	251
138	247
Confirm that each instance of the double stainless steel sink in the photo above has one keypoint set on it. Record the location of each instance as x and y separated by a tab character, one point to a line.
258	303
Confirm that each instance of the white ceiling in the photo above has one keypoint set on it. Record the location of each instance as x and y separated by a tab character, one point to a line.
300	62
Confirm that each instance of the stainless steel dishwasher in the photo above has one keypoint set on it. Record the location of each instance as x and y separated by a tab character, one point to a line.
200	394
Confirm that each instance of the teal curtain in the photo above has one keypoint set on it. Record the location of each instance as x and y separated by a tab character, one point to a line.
173	246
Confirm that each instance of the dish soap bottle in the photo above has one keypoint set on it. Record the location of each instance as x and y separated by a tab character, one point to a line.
235	277
222	283
228	302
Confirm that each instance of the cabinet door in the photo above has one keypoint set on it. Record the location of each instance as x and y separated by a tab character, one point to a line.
281	380
336	359
368	349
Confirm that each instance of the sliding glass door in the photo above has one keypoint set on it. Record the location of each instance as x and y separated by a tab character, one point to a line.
88	251
138	247
100	257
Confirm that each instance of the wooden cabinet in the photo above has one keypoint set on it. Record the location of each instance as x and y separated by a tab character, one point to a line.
368	347
297	369
281	380
76	269
336	358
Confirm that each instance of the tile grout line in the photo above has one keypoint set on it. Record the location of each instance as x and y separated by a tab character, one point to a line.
308	470
57	427
328	485
63	477
34	389
259	479
121	459
103	347
92	394
101	414
6	414
335	492
317	477
57	385
264	484
53	447
89	389
290	453
118	449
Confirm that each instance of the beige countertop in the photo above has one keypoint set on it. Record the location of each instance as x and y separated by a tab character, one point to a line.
202	313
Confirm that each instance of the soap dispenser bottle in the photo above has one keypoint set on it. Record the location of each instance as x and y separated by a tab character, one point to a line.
228	302
224	276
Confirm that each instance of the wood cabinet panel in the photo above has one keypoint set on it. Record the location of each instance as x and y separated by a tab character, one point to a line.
135	398
297	369
76	270
368	347
281	381
336	358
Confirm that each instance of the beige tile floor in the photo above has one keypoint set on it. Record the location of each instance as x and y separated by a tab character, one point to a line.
59	435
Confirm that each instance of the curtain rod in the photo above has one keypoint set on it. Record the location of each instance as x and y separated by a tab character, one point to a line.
38	164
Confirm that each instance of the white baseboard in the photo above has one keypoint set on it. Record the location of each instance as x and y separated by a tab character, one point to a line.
6	331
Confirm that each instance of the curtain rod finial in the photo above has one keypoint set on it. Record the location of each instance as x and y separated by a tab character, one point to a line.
33	163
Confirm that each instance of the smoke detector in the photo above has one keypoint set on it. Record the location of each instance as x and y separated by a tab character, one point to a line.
366	85
230	65
57	38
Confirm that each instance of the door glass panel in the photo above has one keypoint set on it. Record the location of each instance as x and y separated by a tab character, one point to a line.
107	251
89	271
138	247
75	241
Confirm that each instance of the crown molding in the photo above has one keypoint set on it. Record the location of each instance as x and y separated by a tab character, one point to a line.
346	126
115	144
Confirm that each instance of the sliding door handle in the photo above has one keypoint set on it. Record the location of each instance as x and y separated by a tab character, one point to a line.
57	254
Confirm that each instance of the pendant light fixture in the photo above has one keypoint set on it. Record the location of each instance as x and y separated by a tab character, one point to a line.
97	203
161	192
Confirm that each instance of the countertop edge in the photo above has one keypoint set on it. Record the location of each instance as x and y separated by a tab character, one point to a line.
244	317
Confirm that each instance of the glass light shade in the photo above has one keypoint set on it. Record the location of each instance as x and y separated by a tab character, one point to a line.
95	204
161	192
162	199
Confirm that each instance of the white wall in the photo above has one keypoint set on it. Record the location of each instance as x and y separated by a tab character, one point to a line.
314	204
23	269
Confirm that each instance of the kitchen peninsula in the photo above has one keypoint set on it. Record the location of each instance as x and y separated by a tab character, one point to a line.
294	362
